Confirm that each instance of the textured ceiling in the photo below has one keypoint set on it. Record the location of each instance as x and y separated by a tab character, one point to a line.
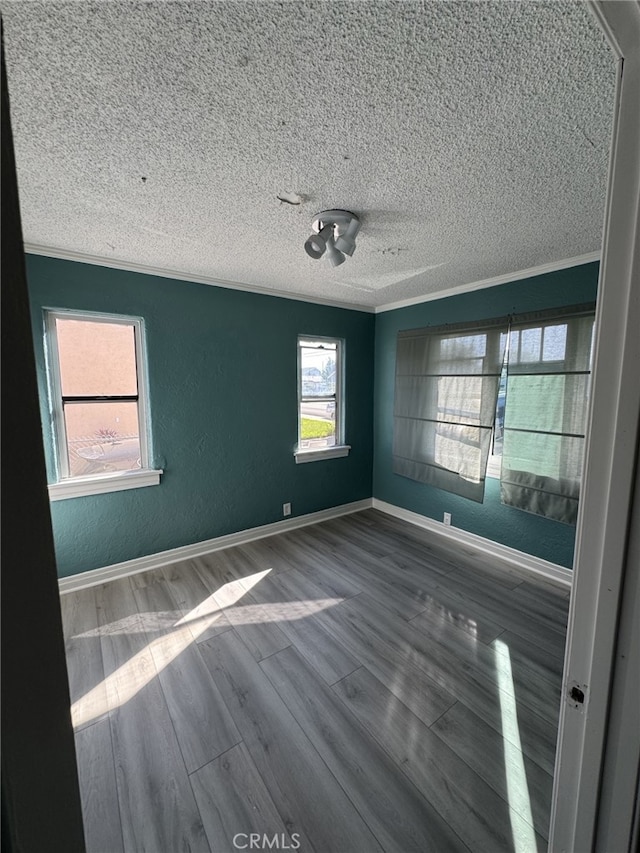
471	138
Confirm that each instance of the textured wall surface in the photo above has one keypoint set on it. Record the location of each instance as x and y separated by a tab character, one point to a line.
222	371
222	375
529	533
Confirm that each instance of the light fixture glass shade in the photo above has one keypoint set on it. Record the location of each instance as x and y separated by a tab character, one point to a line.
314	247
316	244
346	245
333	254
347	242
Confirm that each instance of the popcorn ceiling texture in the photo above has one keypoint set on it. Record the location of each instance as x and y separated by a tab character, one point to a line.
471	138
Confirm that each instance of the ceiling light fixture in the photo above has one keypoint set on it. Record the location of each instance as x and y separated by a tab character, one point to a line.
334	234
317	243
347	242
333	254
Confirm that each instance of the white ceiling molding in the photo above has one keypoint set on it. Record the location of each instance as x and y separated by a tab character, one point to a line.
180	275
79	257
493	282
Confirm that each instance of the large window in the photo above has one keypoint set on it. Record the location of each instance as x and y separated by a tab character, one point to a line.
446	388
320	399
507	398
98	403
545	414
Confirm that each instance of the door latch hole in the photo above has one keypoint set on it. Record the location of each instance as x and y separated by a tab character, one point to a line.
577	695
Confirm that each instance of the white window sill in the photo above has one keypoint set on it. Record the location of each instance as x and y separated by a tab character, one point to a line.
78	487
322	453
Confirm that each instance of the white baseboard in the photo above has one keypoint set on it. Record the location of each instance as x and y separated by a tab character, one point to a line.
510	556
200	549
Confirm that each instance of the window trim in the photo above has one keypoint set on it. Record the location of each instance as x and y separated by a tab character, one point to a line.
334	452
98	484
339	449
67	486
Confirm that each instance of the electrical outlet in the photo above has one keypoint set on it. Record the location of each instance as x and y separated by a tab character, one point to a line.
447	518
286	509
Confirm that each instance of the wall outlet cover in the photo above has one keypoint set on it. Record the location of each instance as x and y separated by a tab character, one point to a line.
286	509
447	518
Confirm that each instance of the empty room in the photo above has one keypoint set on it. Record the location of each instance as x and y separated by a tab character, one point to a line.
321	425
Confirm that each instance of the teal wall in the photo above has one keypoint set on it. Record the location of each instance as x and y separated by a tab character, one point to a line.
533	534
222	375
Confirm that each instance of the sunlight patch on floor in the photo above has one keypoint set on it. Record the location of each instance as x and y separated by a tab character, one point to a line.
125	682
280	611
130	678
524	839
136	623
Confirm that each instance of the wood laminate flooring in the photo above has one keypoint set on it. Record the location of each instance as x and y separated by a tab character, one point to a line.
348	687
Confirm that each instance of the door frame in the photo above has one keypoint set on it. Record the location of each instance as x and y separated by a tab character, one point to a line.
605	524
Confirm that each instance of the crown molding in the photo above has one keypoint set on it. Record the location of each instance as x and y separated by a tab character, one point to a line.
145	269
553	266
180	275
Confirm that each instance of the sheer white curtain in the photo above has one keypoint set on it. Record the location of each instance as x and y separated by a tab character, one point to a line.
445	401
548	380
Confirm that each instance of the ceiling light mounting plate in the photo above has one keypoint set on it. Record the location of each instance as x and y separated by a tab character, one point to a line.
340	218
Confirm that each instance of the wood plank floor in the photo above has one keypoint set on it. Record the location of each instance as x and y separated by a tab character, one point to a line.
352	686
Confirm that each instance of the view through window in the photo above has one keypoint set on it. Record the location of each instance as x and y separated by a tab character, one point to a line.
507	398
318	393
544	345
445	397
96	394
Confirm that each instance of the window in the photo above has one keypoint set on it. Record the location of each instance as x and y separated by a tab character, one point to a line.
320	399
506	398
535	344
445	398
545	415
97	386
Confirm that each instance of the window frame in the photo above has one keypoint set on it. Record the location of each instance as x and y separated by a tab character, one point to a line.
66	485
339	449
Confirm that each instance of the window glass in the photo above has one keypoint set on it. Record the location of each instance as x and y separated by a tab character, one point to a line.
318	393
530	342
102	437
97	407
544	346
555	343
96	358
